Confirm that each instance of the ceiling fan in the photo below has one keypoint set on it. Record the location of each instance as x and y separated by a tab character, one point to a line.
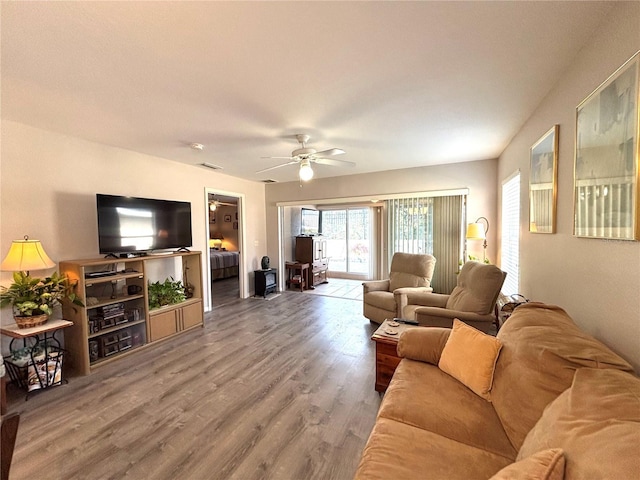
214	204
305	156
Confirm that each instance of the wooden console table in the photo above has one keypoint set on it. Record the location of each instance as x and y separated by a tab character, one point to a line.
387	358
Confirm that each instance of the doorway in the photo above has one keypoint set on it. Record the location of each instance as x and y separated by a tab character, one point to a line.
225	245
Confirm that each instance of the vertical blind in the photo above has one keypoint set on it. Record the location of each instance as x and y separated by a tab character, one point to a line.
448	243
431	225
510	245
410	225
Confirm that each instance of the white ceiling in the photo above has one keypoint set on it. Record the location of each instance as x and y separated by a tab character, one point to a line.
395	84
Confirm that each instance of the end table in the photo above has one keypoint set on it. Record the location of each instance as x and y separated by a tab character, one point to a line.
40	371
387	358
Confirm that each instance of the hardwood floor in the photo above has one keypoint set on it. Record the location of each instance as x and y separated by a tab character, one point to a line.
339	287
225	291
280	389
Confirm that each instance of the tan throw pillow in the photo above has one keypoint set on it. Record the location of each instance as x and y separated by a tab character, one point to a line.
470	357
544	465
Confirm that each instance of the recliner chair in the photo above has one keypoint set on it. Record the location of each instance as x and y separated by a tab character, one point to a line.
410	272
471	301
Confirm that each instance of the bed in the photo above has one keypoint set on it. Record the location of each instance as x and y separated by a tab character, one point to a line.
223	264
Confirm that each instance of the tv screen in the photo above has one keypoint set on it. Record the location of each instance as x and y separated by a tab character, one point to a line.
129	224
310	224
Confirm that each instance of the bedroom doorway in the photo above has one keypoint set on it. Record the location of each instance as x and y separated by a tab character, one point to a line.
224	247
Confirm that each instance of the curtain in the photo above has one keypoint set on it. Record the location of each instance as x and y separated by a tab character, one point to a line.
448	243
432	225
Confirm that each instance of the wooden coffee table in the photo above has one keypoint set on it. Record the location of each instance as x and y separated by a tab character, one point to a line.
387	358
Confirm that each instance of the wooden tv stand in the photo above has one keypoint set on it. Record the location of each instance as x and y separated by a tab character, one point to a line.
116	319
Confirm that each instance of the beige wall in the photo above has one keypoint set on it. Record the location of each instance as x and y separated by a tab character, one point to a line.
479	177
49	182
596	281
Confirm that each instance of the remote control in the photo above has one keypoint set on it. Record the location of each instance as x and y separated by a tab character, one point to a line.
406	321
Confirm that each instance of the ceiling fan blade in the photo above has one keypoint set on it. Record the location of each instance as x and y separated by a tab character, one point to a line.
331	151
277	166
335	162
282	158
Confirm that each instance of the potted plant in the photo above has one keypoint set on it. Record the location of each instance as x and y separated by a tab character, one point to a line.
168	292
33	298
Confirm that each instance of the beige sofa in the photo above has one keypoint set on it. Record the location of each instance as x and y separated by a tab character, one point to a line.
562	405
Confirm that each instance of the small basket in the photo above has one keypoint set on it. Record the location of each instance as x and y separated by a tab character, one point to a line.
29	322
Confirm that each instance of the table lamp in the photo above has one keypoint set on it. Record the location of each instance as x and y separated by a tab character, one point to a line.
217	239
25	255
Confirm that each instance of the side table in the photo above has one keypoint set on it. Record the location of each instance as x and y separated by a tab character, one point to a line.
41	367
296	274
387	358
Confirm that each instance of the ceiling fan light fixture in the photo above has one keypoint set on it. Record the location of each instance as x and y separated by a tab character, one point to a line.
213	206
306	172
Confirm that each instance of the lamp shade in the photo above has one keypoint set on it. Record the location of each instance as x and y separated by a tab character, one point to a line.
25	255
475	231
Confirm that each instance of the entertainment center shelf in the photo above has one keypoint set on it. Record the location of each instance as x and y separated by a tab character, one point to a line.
116	318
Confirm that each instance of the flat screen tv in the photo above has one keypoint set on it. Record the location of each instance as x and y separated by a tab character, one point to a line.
310	222
129	224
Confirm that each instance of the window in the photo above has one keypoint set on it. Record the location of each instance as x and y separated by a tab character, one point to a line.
348	234
510	245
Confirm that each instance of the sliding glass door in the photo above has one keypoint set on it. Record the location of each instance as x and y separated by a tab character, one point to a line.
348	235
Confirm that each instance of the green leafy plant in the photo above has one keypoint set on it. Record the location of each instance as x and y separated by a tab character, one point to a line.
168	292
32	296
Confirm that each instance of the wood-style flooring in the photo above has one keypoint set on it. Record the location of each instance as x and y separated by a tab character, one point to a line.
225	291
339	287
279	389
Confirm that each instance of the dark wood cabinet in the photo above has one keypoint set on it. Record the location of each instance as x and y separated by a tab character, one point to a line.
313	250
266	281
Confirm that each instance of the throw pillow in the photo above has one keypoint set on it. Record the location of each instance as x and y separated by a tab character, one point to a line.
544	465
470	357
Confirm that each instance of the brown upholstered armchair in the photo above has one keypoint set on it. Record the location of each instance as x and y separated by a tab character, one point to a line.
472	300
410	272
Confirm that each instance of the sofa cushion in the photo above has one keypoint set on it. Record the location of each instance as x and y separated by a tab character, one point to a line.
541	350
399	451
470	357
422	395
597	424
544	465
423	344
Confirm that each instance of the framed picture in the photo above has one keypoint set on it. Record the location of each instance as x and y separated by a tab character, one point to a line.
227	218
543	181
235	225
212	217
606	199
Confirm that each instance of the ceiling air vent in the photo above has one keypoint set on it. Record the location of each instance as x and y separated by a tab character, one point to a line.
211	166
268	181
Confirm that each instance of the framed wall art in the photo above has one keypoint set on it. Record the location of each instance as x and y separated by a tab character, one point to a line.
543	183
606	203
227	218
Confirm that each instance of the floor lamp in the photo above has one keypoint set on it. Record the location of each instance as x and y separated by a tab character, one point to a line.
478	231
